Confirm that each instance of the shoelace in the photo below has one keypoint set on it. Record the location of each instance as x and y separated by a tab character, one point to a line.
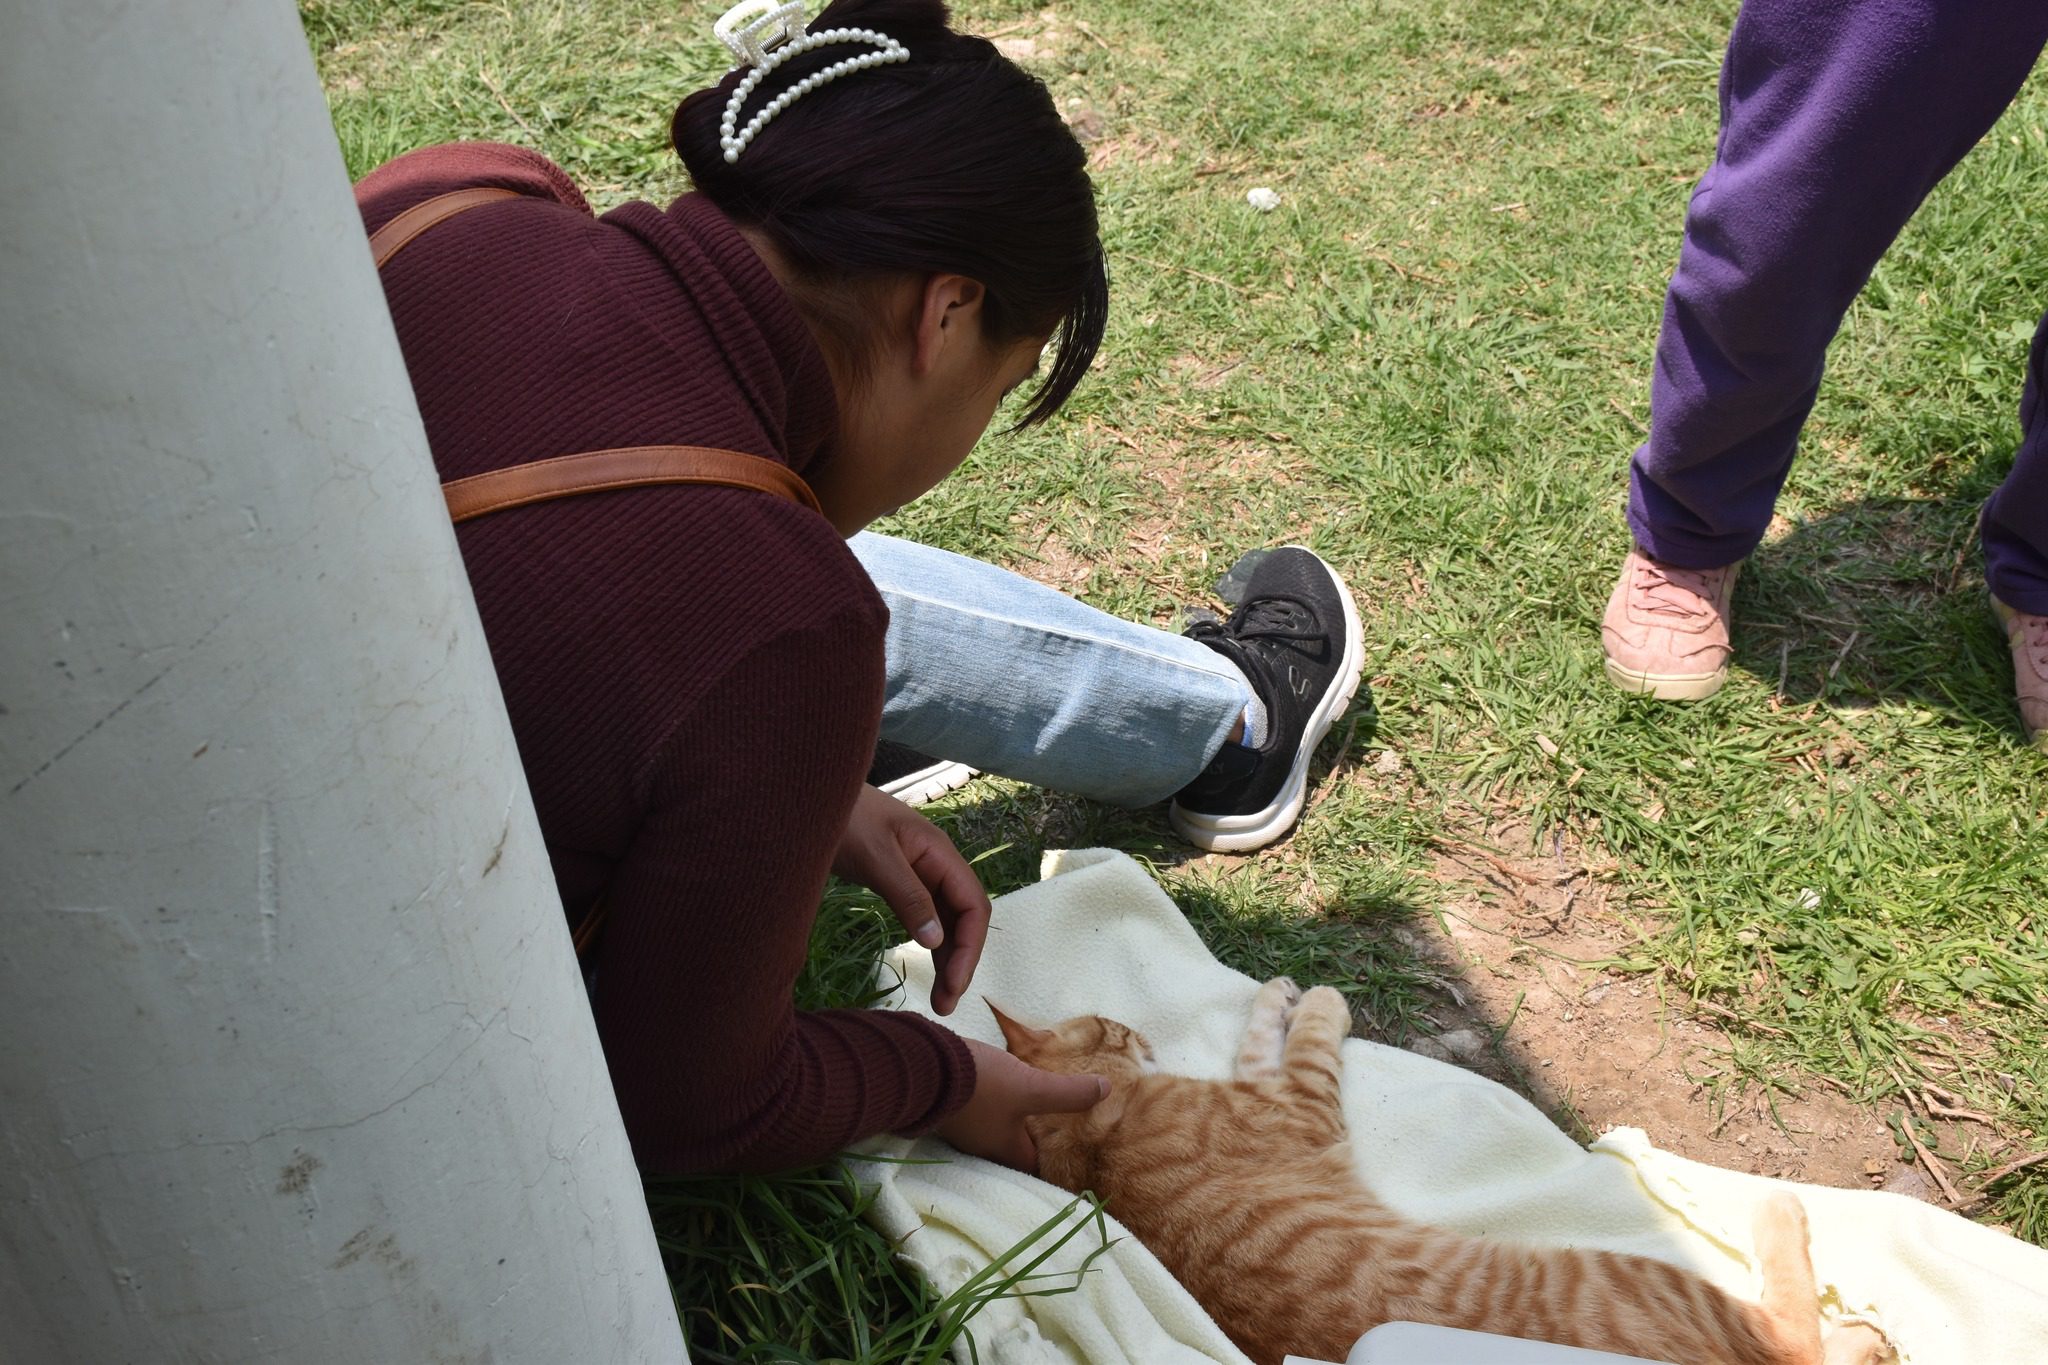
1268	618
1264	618
1673	591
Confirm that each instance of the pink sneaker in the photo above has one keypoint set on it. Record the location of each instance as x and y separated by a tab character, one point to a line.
1666	629
2028	636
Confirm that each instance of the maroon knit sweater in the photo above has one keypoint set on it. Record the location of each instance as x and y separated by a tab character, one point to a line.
694	675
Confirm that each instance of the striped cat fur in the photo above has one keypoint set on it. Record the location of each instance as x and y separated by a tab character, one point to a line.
1246	1190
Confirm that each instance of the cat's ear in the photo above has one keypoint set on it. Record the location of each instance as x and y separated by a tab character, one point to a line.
1022	1038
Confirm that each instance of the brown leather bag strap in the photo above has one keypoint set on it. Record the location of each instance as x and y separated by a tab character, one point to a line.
597	471
386	240
592	471
586	929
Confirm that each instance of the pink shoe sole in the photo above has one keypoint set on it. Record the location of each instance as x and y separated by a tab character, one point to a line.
1667	686
2008	626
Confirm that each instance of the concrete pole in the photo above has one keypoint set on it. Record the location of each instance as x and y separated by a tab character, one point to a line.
295	1063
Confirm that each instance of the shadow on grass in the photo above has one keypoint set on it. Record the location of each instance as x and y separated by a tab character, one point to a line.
1354	943
1007	826
1882	601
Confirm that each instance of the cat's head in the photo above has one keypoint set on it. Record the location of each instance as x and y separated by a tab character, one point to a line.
1087	1044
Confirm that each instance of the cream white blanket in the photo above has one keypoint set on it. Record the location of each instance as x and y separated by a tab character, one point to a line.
1434	1141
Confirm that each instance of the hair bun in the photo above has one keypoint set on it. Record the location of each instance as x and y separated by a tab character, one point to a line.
900	19
951	159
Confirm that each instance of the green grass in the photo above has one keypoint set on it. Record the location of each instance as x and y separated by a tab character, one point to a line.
1431	363
783	1269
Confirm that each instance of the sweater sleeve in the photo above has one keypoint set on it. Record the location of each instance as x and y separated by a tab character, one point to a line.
418	176
709	920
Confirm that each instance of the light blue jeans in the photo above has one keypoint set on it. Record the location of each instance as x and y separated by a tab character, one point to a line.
995	671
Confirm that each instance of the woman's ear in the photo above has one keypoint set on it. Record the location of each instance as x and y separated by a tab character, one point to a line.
948	317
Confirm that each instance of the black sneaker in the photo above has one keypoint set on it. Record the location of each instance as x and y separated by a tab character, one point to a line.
1295	639
914	778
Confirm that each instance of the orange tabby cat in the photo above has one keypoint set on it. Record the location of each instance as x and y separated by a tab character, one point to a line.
1245	1190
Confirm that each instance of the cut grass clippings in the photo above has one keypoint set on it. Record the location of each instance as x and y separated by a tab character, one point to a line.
1430	363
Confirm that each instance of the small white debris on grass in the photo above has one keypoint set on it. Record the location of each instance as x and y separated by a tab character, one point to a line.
1809	899
1263	199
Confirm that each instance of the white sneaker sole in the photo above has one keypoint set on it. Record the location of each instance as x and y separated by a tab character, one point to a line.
1243	833
928	784
1666	686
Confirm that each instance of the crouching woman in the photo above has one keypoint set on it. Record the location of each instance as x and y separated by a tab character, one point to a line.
876	254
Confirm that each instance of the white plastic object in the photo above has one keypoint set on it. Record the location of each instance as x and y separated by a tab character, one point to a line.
750	28
1415	1343
764	36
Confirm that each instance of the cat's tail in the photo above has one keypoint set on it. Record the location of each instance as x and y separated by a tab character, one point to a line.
1607	1301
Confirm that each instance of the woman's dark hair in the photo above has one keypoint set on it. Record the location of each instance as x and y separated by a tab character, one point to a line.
955	161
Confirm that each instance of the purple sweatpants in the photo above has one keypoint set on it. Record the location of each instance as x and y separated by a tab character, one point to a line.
1837	118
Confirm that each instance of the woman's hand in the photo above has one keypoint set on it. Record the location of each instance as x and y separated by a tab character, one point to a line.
910	863
1006	1090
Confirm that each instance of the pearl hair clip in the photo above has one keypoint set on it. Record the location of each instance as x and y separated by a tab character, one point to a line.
763	34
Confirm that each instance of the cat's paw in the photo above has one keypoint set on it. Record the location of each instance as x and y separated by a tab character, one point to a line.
1326	1005
1258	1058
1857	1343
1779	1224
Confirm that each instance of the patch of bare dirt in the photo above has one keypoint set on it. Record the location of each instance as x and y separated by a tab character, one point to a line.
1523	1003
1203	372
1055	564
1044	36
1131	147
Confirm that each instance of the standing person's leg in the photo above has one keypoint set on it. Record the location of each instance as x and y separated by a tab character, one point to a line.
1837	118
993	670
2015	528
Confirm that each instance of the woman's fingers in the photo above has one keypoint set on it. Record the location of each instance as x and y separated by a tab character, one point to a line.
964	907
930	888
961	903
872	853
1022	1154
893	879
962	954
1054	1093
1007	1090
